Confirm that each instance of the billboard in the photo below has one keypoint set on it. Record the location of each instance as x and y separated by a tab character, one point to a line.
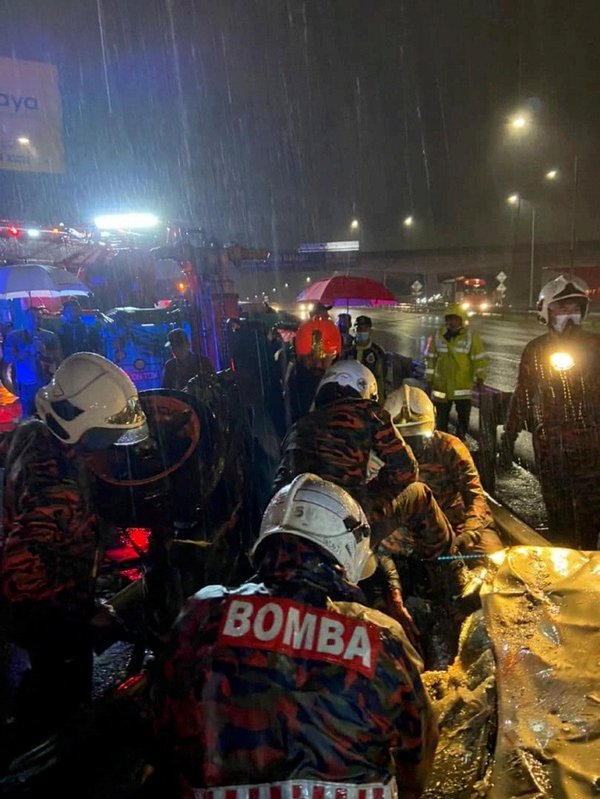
30	117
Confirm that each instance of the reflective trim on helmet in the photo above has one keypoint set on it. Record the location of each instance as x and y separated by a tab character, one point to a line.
131	414
133	436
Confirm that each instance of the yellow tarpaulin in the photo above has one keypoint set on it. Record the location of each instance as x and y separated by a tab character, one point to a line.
542	613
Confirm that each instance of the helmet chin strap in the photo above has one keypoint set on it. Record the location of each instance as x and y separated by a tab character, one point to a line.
562	322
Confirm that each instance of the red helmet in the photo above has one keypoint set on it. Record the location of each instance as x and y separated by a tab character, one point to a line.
319	338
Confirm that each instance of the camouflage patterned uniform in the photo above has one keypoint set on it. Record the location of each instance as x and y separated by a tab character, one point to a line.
237	704
562	411
48	562
335	442
447	467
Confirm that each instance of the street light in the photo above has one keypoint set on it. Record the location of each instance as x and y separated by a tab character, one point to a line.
408	222
519	122
517	200
354	224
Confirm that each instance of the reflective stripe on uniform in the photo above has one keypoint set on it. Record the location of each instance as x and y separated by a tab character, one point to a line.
301	789
462	392
438	394
479	357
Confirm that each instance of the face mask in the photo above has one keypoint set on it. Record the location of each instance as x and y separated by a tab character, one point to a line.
561	321
362	338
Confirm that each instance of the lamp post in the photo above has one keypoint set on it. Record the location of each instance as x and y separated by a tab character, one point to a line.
518	201
519	125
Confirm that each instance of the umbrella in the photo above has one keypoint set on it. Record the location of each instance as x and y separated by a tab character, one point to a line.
38	280
348	290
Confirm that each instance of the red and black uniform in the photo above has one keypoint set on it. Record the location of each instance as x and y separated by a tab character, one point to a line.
561	408
291	682
49	554
335	442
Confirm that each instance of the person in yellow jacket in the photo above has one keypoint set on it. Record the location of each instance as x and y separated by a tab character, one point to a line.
455	361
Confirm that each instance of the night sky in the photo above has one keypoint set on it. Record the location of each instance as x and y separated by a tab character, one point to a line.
275	122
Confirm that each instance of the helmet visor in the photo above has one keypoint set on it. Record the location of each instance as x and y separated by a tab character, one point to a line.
133	420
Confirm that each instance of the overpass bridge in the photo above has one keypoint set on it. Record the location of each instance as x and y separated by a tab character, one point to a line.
283	276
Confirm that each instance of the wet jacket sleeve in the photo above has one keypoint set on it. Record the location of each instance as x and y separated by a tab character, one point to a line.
14	349
417	728
518	409
480	361
290	464
50	543
459	462
400	466
431	356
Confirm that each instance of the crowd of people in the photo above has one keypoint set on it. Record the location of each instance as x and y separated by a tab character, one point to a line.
305	679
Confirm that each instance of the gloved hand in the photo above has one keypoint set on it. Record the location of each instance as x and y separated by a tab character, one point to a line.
398	611
464	543
506	451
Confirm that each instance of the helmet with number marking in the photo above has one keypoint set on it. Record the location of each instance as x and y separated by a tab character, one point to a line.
326	514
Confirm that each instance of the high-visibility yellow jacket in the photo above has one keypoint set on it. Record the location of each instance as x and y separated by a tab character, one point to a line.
452	365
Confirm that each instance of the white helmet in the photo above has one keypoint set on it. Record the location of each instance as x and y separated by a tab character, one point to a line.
324	513
411	410
89	392
562	288
351	374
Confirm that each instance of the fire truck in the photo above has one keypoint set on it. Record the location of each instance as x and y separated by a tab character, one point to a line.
470	292
141	286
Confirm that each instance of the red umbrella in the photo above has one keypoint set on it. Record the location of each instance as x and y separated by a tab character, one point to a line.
348	290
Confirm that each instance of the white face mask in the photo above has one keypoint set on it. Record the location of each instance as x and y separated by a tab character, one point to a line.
362	338
560	321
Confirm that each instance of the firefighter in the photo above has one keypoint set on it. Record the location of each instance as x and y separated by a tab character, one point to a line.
455	361
335	441
49	555
447	467
557	398
317	344
263	688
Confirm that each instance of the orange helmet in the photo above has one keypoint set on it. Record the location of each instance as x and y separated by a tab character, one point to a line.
319	338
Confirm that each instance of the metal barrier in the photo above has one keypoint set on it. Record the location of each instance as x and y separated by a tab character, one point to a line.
514	531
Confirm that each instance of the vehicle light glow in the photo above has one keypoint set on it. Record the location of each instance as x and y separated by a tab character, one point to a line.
132	221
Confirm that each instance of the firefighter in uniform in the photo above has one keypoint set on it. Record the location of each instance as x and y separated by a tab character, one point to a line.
557	398
49	553
263	688
455	360
447	467
335	441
